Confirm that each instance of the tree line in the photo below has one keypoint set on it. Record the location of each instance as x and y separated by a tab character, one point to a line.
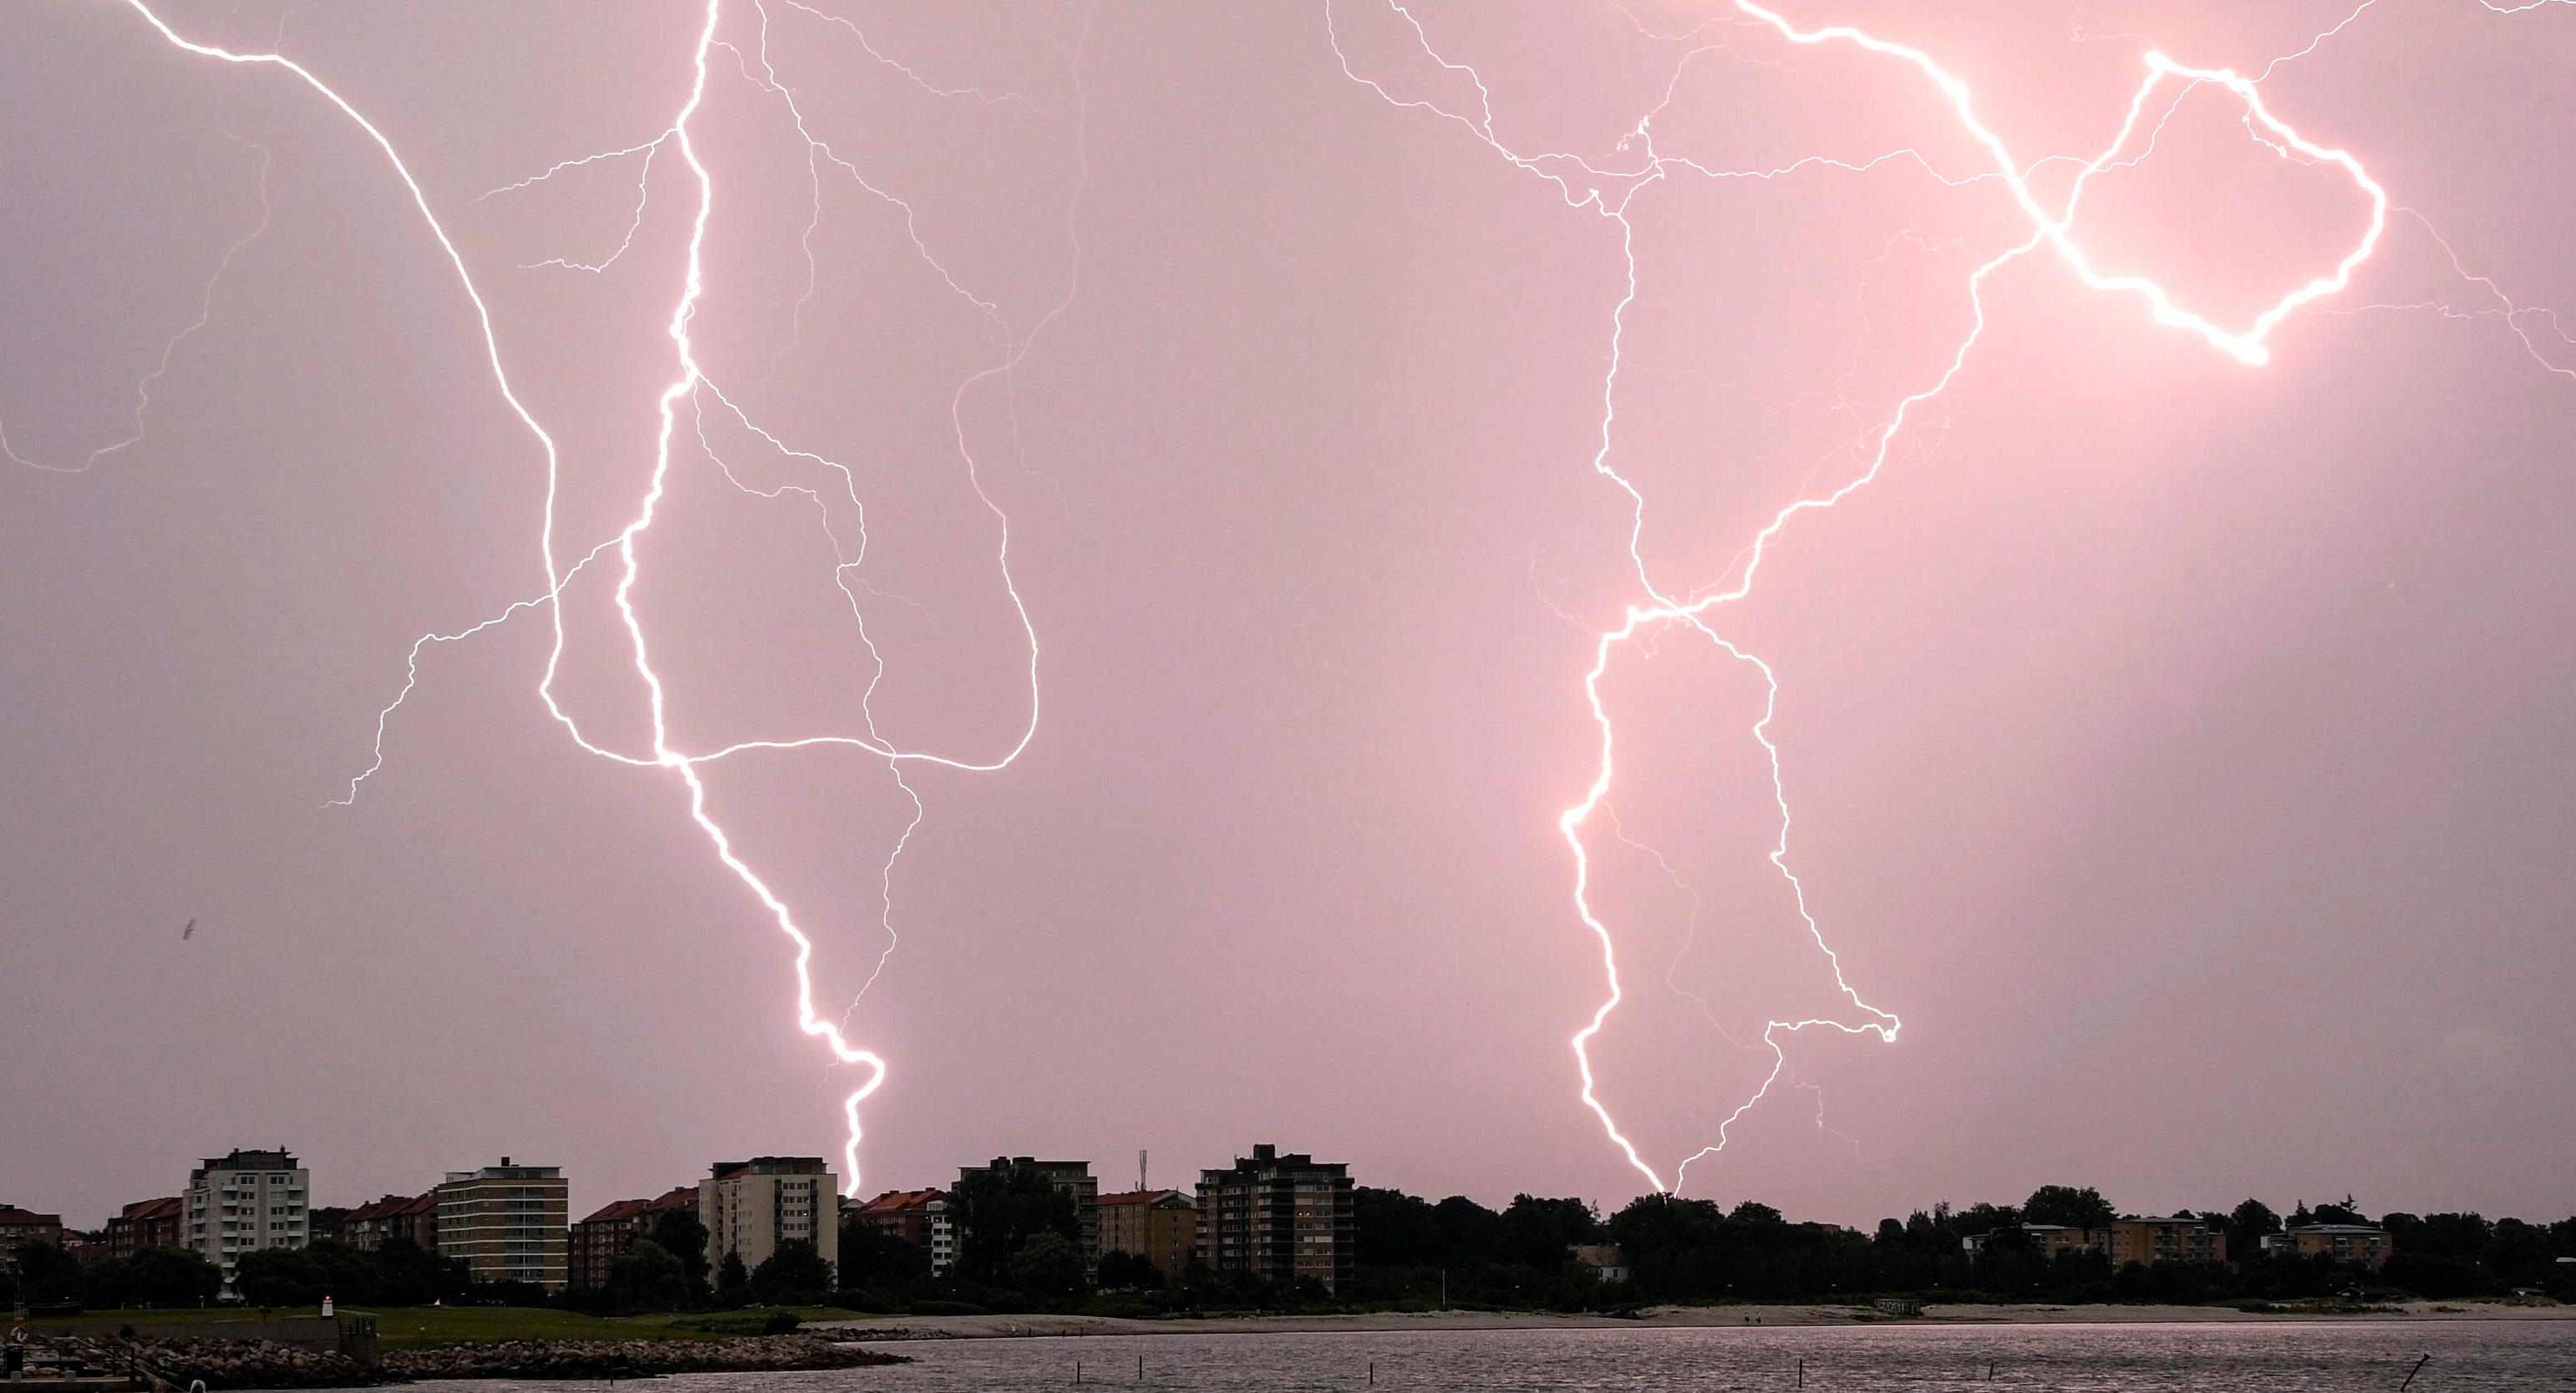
1019	1251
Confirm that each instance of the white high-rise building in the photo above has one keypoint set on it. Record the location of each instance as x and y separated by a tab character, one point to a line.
244	1202
750	1207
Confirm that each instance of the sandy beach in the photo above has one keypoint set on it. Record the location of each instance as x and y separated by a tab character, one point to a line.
1022	1326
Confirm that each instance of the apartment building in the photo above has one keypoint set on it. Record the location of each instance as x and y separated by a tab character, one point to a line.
2150	1241
1072	1178
2048	1240
750	1207
593	1246
146	1224
1160	1226
1279	1217
922	1218
414	1217
506	1223
2362	1243
26	1226
243	1202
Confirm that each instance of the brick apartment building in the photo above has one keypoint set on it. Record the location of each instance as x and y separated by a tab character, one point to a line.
26	1226
1279	1217
591	1249
921	1218
145	1224
2153	1240
506	1222
2362	1243
1160	1226
412	1217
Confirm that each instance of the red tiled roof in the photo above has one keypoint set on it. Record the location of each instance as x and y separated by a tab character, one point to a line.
680	1197
151	1209
14	1217
897	1201
619	1209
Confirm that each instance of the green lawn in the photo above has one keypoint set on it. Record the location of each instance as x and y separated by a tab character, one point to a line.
419	1327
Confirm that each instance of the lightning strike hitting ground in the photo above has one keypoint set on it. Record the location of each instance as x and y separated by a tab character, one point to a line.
690	387
1611	192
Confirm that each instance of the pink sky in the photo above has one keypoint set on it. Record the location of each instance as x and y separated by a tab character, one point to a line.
2179	747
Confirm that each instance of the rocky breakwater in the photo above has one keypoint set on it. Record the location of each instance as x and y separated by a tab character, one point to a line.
245	1364
604	1359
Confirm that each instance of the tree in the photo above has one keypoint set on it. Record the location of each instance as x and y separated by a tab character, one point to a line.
872	1257
278	1277
793	1273
998	1210
646	1277
683	1236
733	1282
2247	1223
410	1275
1395	1229
1541	1233
47	1272
165	1277
2344	1213
2064	1204
1047	1265
1121	1270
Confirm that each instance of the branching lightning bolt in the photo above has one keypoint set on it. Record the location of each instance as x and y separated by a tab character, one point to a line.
1611	190
690	387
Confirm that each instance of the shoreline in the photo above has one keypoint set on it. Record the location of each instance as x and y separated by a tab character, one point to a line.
1751	1317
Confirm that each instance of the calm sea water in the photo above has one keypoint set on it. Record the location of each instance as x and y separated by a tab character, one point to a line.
2298	1358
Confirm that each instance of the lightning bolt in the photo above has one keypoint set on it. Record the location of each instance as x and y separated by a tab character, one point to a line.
690	388
1609	189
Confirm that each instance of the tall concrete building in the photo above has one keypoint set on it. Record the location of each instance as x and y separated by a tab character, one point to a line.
507	1223
750	1207
244	1202
1281	1218
1160	1226
1071	1178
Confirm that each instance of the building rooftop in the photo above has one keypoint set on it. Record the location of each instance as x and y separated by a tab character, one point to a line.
280	1159
14	1217
897	1201
1148	1197
507	1170
768	1165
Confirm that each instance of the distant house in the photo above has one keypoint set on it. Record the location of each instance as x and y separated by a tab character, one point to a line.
1605	1260
2360	1243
